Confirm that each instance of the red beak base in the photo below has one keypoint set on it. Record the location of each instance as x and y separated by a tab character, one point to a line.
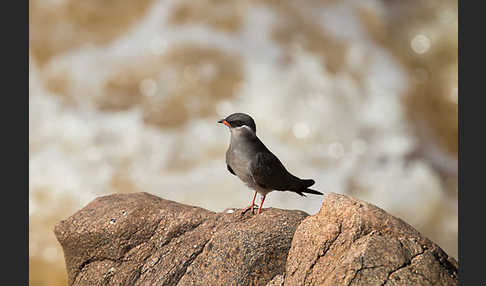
225	122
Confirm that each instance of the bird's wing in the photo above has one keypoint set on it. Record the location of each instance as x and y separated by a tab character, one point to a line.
269	173
230	170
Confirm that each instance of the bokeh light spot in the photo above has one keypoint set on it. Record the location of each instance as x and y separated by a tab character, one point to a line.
454	95
336	150
301	130
50	253
420	44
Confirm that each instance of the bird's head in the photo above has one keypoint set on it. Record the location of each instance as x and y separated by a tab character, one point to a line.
236	120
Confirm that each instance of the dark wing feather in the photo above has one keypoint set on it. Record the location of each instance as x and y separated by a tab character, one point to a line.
269	173
230	170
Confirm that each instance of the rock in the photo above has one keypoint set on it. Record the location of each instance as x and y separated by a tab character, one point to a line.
141	239
351	242
277	281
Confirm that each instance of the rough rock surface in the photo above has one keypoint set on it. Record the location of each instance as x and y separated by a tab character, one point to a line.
351	242
141	239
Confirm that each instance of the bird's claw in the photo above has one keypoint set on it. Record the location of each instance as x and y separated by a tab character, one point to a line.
252	207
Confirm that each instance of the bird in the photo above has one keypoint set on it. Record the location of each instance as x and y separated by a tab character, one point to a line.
254	164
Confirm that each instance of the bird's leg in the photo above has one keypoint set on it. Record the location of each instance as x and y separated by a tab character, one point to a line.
251	205
261	204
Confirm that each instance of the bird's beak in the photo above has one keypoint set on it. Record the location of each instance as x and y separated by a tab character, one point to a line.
224	122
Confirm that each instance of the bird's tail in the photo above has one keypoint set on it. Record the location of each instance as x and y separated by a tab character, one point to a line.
305	188
309	191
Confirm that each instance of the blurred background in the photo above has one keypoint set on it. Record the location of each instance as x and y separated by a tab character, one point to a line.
124	97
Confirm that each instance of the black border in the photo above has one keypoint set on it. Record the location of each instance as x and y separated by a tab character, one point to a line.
470	205
15	141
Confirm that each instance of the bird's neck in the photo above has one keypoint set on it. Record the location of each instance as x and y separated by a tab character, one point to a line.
243	138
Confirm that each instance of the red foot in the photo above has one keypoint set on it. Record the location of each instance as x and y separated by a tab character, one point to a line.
250	207
261	204
253	205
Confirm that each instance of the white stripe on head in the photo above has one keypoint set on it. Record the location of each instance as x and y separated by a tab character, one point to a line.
241	129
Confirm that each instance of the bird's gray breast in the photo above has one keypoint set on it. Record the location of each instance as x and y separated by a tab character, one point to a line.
240	154
239	160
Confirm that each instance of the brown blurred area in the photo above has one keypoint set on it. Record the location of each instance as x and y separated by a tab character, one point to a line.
193	79
60	26
433	97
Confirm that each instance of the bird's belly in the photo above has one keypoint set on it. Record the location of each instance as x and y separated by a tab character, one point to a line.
240	164
239	161
243	172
